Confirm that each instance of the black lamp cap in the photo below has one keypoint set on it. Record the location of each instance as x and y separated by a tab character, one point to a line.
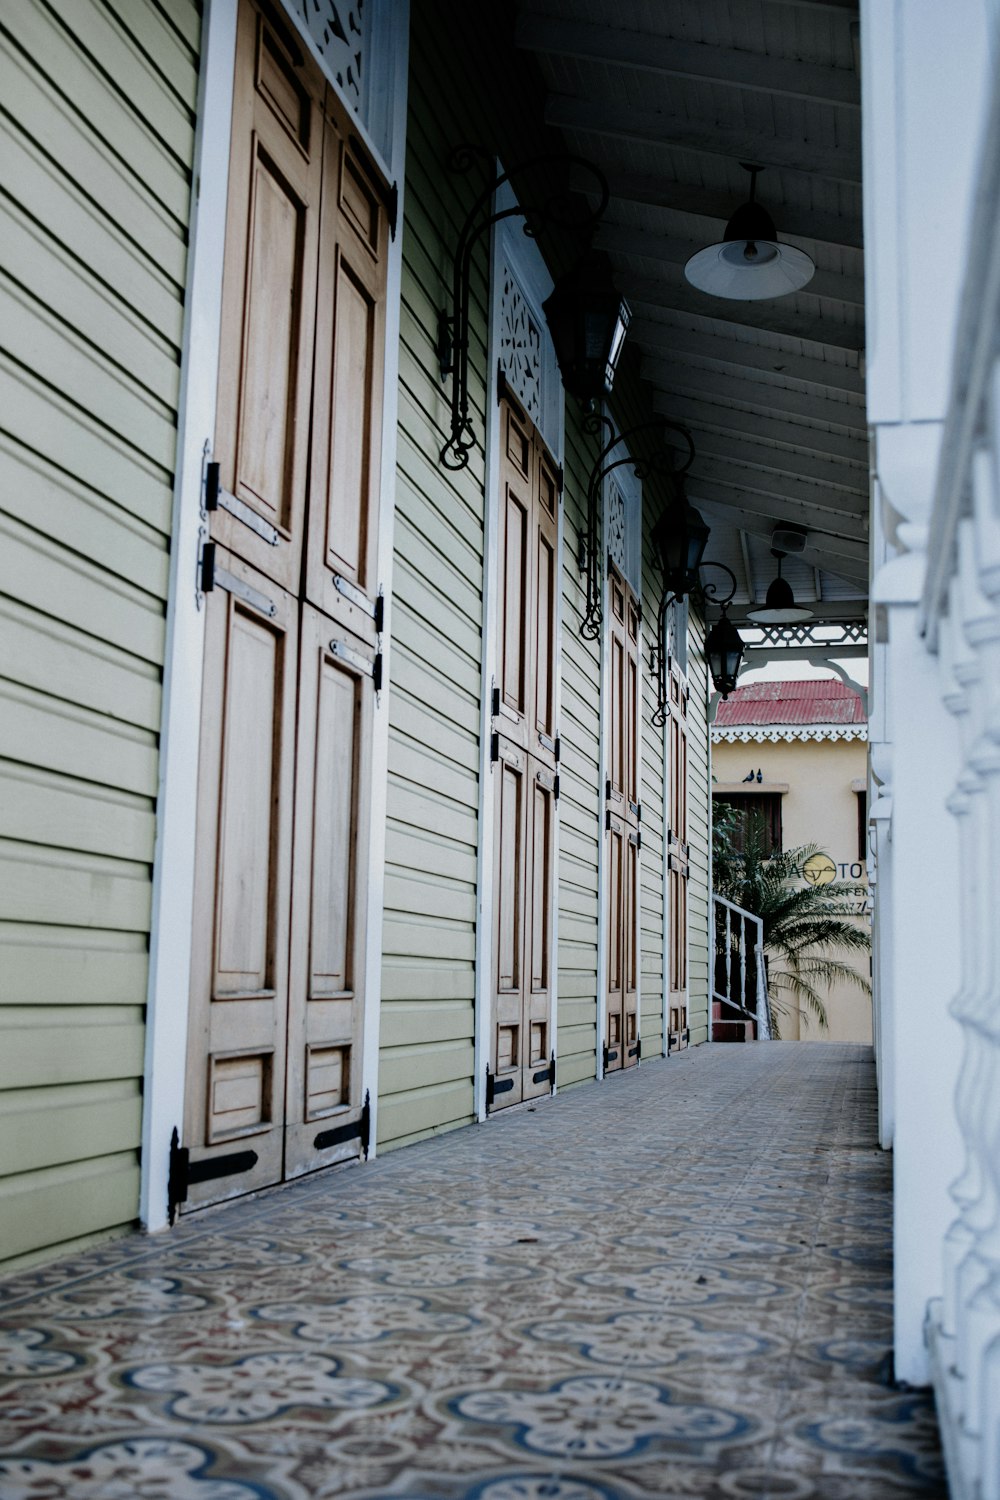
779	594
751	221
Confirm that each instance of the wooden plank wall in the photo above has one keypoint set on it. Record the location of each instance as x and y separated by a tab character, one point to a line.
95	164
470	84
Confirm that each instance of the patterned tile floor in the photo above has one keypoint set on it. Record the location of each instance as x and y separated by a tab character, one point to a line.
675	1284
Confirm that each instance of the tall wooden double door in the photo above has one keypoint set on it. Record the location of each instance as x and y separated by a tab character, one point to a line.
678	855
525	753
622	815
291	665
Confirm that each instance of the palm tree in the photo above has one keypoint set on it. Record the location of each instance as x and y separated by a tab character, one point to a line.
806	926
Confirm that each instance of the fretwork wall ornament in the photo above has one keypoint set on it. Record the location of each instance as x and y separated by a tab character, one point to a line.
617	528
812	633
520	347
774	733
340	31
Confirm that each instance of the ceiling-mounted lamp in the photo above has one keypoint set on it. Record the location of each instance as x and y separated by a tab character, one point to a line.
749	265
779	607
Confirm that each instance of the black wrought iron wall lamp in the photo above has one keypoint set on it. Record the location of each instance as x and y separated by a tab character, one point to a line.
680	538
587	319
656	455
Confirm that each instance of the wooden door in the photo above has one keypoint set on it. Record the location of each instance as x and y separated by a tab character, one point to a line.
623	839
525	769
268	299
330	860
678	858
278	979
234	1113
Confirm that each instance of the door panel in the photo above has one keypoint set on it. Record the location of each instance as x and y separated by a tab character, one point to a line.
269	291
509	991
347	414
616	899
540	878
622	814
239	990
332	811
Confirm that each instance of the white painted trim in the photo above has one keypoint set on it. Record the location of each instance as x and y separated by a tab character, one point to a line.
711	872
761	733
485	851
665	1046
386	528
174	857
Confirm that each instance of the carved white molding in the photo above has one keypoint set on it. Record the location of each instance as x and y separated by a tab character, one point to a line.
761	733
520	345
340	32
617	527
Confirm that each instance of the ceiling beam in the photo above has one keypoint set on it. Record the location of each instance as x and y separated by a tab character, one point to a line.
759	514
667	56
655	191
677	379
652	127
838	501
746	426
673	254
768	464
646	297
664	338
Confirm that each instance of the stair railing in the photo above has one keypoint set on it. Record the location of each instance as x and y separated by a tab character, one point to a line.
739	976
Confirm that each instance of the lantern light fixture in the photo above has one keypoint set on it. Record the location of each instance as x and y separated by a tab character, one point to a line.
749	264
680	537
588	320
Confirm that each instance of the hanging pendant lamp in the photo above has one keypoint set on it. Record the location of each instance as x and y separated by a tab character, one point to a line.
749	265
779	607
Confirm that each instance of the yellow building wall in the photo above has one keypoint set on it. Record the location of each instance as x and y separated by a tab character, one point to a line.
820	807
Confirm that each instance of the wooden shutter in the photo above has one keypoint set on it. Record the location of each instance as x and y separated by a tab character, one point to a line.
340	571
677	857
332	817
278	979
525	774
268	301
239	987
622	827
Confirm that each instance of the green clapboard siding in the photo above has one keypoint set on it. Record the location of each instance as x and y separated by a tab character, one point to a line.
96	149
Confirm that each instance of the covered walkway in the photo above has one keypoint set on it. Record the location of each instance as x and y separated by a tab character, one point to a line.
674	1284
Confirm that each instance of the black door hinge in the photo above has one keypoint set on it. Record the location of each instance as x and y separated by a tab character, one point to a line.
212	486
392	207
366	1123
557	752
555	787
609	1056
607	789
560	479
607	821
638	841
183	1173
552	1073
377	672
379	614
489	1090
494	747
495	703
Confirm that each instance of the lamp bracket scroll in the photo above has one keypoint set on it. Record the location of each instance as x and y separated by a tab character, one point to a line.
723	645
542	208
657	455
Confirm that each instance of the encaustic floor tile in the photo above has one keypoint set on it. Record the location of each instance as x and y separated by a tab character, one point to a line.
708	1321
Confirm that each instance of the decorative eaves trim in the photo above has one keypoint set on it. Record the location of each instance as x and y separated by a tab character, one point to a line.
761	733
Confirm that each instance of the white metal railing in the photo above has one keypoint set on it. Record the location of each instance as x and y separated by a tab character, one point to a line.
738	975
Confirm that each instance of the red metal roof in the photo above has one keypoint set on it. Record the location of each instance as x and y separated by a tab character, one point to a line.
811	702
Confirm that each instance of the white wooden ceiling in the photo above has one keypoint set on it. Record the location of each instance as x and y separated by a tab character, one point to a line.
667	97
